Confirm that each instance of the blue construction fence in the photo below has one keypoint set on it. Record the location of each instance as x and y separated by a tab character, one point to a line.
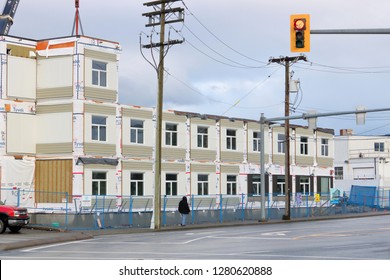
59	209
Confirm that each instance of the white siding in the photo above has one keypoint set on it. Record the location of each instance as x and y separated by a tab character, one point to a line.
21	138
54	128
55	72
21	77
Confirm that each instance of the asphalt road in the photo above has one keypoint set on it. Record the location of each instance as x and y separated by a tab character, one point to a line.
366	238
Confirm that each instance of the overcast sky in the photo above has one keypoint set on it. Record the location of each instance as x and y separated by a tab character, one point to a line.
222	68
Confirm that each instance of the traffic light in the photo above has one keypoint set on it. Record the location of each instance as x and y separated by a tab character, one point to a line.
300	33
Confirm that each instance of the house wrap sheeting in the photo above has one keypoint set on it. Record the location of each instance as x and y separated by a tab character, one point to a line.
17	174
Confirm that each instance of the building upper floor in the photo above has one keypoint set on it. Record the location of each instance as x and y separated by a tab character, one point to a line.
349	146
76	67
59	97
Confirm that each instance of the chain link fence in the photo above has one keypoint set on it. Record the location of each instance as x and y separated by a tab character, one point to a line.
59	209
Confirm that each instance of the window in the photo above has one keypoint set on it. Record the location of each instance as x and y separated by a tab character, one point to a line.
202	137
171	184
279	186
256	184
203	184
324	147
304	185
304	145
379	147
170	134
338	173
231	139
324	184
281	143
99	128
231	184
137	184
99	183
137	131
99	73
256	141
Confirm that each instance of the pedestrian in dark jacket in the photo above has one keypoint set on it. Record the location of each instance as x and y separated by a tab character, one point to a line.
184	210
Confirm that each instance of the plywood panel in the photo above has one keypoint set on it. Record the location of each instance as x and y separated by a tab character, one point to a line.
53	179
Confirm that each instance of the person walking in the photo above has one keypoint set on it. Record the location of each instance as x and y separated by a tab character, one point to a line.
184	210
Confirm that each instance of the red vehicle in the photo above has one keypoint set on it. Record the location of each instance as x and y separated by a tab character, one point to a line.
12	217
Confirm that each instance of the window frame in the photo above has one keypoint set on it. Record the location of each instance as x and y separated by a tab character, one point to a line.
279	186
379	146
99	74
137	185
231	184
100	187
338	172
304	145
325	147
98	130
256	142
281	143
202	137
171	184
203	184
137	133
231	139
171	132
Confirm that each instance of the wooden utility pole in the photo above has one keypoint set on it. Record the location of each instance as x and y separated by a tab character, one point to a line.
158	17
287	61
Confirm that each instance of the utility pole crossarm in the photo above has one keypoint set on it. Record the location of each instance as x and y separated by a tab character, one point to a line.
287	59
164	44
159	2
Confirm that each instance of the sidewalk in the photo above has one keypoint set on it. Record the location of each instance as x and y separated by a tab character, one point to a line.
39	236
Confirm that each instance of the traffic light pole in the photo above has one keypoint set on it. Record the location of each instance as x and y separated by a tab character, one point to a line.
286	61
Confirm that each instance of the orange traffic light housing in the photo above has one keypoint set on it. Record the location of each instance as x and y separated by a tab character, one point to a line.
300	33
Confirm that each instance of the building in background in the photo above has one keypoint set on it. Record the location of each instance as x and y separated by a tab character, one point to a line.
362	161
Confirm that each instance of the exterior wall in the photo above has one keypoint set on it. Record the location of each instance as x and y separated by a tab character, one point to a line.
253	156
96	147
54	77
110	92
54	129
177	152
112	186
21	133
360	163
137	166
299	158
21	76
237	154
200	153
137	150
59	131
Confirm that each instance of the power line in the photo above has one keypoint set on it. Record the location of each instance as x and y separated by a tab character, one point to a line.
217	38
